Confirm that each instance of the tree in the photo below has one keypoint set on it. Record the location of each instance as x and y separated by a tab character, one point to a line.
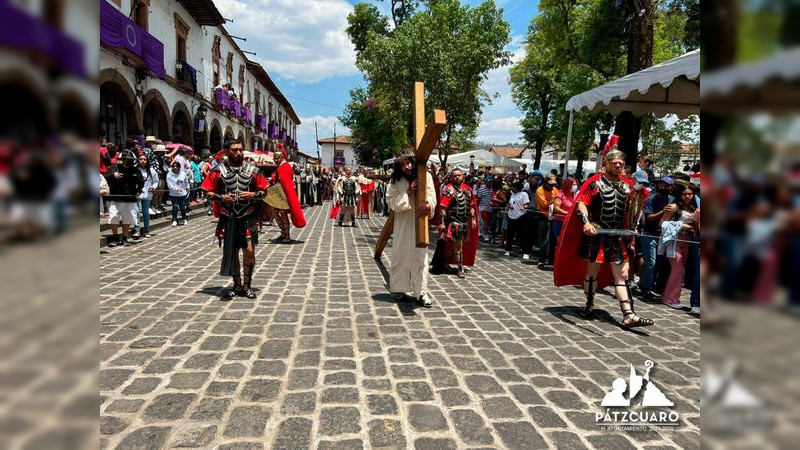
451	48
364	19
373	136
402	10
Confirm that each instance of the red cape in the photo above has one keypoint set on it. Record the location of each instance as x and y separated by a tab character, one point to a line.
285	176
469	248
366	189
569	268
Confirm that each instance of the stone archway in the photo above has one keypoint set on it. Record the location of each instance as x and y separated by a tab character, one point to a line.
215	136
228	134
240	138
156	116
182	124
74	116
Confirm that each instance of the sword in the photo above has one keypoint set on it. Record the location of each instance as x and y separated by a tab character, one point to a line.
619	233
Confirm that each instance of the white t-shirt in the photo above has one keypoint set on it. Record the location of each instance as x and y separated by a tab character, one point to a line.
515	209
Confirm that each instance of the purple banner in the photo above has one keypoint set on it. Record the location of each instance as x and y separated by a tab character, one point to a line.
223	99
261	123
248	115
338	160
19	30
283	135
192	72
118	31
236	108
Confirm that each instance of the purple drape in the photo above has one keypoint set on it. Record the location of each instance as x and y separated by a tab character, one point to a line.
19	30
248	115
192	74
237	109
223	99
118	31
261	123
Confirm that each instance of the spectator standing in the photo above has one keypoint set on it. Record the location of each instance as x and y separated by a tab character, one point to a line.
654	209
562	204
545	196
150	178
497	203
197	177
125	183
178	187
517	205
484	196
646	163
683	211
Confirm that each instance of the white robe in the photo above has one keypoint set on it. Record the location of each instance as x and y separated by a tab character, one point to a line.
409	270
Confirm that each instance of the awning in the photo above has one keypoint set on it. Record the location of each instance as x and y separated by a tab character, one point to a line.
117	31
771	85
672	87
481	157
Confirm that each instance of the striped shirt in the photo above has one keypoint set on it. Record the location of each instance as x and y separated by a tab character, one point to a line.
484	195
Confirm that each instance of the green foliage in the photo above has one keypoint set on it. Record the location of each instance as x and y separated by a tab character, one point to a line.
373	136
365	19
574	46
402	10
664	142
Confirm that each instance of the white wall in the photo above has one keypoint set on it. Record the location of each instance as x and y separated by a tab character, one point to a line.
326	151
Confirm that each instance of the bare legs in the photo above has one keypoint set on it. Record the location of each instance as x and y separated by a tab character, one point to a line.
621	289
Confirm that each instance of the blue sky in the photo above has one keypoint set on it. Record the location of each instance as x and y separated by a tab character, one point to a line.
303	46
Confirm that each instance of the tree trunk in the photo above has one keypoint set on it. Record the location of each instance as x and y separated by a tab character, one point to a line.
544	102
718	44
640	56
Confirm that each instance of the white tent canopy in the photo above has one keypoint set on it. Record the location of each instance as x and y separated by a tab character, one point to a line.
482	157
768	85
672	87
546	165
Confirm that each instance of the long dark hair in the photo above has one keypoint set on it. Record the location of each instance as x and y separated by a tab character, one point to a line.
692	205
147	167
397	169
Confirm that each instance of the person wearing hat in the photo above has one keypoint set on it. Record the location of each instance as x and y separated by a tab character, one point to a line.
545	195
601	217
125	183
654	209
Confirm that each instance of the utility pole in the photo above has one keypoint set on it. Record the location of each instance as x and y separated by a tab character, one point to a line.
316	134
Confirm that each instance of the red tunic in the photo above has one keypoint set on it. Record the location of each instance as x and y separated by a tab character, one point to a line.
366	189
285	176
211	184
469	248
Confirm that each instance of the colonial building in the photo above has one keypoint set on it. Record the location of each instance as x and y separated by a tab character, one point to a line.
48	61
168	68
337	152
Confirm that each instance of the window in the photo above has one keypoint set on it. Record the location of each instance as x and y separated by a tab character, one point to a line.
140	12
258	101
241	83
216	56
269	107
229	69
54	12
181	36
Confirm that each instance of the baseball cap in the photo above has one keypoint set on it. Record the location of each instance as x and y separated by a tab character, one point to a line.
668	180
551	179
641	176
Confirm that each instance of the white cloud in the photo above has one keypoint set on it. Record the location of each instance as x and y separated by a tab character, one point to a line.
497	85
301	40
501	130
305	132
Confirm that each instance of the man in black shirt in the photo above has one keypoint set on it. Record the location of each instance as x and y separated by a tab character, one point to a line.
125	183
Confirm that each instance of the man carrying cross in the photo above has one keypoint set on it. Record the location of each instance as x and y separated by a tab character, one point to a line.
408	272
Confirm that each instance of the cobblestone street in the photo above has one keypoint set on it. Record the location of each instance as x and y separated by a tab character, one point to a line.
324	358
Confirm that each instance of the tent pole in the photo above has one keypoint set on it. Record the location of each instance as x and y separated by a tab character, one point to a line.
569	145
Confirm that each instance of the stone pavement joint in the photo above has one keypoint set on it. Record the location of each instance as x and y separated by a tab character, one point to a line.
324	358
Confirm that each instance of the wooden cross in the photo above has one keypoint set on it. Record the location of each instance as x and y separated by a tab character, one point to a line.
425	140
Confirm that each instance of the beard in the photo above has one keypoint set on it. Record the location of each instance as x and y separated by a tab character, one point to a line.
236	160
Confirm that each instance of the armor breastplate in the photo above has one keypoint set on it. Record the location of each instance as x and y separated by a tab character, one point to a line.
610	204
234	181
459	206
349	187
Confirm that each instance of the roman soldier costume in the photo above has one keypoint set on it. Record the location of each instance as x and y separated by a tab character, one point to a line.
238	220
282	197
609	204
461	208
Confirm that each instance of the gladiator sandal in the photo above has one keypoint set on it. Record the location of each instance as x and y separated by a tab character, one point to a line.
589	307
248	278
237	284
460	272
629	317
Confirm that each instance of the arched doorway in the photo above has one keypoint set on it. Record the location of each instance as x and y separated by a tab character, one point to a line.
117	113
240	138
28	119
73	117
156	116
182	127
215	138
228	134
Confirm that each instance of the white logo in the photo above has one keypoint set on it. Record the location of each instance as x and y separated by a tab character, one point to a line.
653	397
